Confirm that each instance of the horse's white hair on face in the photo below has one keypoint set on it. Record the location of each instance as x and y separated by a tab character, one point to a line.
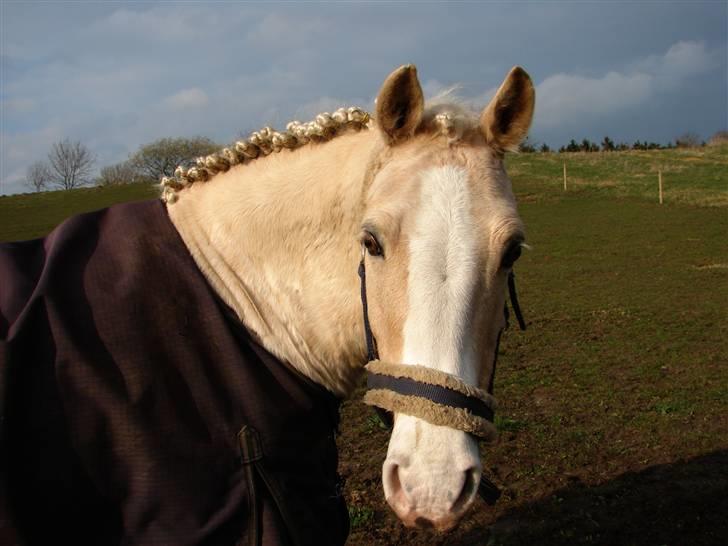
426	463
443	269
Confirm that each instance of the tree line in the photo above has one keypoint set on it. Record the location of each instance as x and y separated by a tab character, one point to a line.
687	140
70	164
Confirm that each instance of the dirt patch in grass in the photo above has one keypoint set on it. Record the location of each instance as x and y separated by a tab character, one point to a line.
710	266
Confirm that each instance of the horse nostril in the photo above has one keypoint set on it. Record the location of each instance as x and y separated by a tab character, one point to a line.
424	523
394	478
393	487
467	492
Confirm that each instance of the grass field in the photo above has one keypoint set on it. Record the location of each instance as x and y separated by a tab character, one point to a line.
613	405
28	216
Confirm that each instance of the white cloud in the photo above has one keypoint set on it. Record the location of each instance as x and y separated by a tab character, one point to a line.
160	23
187	98
567	98
570	99
282	30
681	61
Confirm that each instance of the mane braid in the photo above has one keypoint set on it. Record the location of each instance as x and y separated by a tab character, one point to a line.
262	143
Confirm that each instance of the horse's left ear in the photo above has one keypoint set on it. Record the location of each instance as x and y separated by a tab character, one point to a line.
400	104
505	121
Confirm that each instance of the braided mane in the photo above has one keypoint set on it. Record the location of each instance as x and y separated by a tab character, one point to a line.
262	143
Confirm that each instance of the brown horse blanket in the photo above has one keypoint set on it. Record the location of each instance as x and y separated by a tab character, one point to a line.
135	408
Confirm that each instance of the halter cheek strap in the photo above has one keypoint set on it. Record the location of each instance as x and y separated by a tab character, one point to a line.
372	353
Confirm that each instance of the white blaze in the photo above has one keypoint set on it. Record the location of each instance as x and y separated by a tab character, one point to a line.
442	276
431	471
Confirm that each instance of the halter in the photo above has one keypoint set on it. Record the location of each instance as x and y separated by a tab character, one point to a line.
437	397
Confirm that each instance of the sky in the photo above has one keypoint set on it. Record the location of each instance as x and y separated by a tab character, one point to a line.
117	75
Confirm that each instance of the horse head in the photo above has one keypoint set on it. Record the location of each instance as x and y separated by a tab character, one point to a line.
420	197
439	235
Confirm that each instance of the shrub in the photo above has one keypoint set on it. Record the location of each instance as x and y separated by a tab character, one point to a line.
688	140
121	173
721	137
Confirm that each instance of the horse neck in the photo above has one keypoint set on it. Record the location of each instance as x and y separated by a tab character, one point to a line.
277	240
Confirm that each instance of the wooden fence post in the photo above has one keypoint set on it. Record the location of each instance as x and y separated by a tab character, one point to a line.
659	183
564	175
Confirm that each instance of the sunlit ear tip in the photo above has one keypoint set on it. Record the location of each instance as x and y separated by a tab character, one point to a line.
519	72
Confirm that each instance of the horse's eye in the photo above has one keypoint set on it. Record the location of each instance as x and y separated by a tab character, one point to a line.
371	244
511	255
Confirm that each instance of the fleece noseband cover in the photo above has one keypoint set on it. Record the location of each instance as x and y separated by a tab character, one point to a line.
434	396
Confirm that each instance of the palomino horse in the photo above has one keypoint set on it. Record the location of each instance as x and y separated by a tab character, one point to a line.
426	196
157	376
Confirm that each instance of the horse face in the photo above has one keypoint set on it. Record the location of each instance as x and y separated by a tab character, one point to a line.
440	233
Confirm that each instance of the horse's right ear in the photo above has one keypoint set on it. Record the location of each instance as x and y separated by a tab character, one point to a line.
505	121
400	104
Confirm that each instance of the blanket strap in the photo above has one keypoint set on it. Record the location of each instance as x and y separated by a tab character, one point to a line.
252	459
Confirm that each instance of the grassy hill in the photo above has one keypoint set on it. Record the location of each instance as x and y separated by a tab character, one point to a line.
613	405
696	176
31	215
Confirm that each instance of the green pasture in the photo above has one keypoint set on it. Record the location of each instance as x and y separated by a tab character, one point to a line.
613	405
32	215
691	176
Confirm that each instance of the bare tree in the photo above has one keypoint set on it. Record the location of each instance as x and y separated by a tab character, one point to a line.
38	176
163	156
71	164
